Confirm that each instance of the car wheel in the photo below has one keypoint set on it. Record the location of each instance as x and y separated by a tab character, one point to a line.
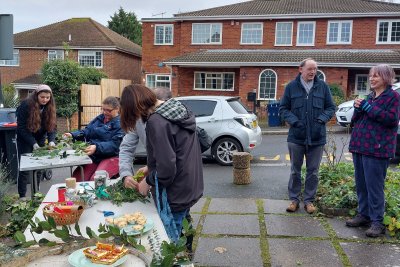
223	150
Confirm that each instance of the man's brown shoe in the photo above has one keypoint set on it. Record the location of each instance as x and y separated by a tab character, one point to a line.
309	208
293	206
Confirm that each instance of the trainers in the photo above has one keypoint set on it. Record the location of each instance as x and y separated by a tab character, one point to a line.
376	230
358	220
309	208
293	206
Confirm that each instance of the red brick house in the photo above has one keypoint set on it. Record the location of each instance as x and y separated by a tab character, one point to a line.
257	46
90	44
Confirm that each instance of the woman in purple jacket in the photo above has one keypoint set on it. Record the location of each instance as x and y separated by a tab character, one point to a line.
373	142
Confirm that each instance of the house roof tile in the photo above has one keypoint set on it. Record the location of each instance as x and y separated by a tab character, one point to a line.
287	7
84	32
264	57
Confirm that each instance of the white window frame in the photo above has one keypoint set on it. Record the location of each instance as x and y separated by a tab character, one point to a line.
340	22
10	62
210	43
291	32
259	85
59	54
356	83
90	53
389	31
156	80
164	26
298	33
252	23
322	73
211	89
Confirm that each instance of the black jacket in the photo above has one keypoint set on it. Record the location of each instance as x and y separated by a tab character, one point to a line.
25	137
173	152
307	114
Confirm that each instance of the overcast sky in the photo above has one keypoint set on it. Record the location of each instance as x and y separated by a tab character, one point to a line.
30	14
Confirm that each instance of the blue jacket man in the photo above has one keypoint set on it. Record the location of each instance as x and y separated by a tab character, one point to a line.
306	106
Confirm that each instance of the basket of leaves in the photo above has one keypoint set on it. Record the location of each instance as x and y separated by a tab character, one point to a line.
64	213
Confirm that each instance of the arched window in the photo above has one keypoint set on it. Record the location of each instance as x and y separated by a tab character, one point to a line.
267	85
321	75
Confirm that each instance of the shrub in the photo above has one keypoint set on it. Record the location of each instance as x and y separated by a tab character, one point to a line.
337	94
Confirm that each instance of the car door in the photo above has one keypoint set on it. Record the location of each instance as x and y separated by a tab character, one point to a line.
208	114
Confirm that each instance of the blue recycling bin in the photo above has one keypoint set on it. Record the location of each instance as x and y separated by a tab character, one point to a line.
274	119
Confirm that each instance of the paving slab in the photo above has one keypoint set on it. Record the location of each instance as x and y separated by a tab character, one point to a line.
342	231
233	205
279	206
239	252
306	226
195	218
231	225
198	207
291	252
368	254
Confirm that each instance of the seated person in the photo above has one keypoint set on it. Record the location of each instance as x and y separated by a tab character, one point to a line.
104	135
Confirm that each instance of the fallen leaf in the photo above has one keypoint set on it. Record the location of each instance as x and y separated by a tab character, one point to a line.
220	250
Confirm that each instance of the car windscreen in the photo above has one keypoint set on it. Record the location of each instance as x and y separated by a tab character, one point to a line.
200	108
237	106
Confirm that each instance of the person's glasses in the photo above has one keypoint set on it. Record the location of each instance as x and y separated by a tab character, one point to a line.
109	110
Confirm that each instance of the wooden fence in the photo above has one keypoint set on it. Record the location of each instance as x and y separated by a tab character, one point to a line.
91	97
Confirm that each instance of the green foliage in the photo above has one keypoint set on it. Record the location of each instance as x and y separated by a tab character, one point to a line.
91	75
5	185
337	94
21	213
10	96
127	25
119	194
392	205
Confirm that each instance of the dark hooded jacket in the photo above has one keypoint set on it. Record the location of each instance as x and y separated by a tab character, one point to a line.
173	152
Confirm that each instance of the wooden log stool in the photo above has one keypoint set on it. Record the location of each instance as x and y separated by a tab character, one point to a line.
241	168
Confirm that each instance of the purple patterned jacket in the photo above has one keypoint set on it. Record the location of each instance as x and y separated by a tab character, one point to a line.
375	132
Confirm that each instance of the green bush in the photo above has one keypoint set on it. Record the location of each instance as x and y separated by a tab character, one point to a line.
10	96
337	94
392	207
91	75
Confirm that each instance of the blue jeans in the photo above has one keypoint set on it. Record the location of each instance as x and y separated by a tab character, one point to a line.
178	218
370	174
313	155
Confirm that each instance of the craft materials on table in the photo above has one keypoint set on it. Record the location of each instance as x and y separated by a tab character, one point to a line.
70	182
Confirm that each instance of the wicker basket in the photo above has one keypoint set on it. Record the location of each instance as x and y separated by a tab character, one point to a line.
63	218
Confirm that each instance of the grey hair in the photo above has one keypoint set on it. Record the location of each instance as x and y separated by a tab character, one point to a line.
304	61
162	93
112	101
384	71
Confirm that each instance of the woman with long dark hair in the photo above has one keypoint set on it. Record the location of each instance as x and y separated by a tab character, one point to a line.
36	121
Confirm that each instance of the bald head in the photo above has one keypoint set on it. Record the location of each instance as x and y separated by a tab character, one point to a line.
308	69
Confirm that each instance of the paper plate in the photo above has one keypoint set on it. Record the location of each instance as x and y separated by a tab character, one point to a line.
147	227
78	259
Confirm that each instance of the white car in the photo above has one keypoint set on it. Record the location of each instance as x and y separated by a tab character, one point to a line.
227	121
345	110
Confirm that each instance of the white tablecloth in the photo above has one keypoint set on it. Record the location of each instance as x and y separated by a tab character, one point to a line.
92	218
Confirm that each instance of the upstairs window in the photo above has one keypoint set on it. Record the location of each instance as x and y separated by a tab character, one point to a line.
252	33
89	58
388	32
12	62
55	54
339	32
306	33
157	80
283	33
214	81
164	34
206	33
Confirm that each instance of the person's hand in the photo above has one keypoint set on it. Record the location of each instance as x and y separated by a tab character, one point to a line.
90	150
357	102
145	170
52	144
67	135
129	182
36	146
143	188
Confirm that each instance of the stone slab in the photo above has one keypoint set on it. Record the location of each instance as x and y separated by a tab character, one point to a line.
231	225
198	207
233	205
291	252
306	226
279	206
239	252
195	218
342	231
369	254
